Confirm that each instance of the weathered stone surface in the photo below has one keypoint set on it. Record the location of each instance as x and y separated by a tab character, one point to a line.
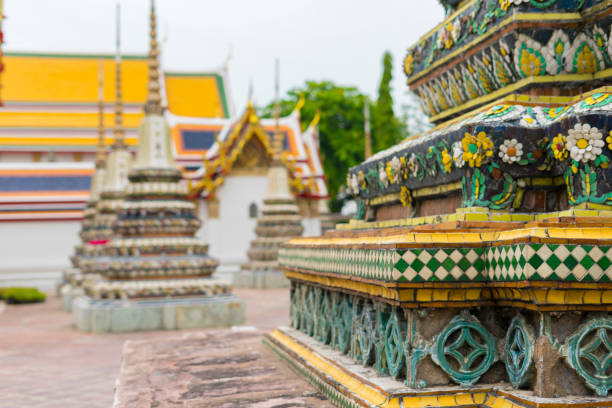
228	368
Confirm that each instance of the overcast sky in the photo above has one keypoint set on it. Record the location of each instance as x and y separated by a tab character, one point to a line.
339	40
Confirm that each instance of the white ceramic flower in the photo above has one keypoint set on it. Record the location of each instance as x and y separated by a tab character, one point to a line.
395	166
382	176
584	142
413	165
456	32
511	151
458	155
518	2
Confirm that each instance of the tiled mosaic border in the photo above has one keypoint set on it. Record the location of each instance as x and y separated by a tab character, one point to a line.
508	263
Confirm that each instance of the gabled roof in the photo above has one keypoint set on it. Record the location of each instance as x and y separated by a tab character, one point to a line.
301	152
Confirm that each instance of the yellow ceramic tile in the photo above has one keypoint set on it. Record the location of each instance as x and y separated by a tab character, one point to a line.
446	401
592	297
500	403
556	297
522	217
441	294
472	294
424	295
463	399
479	397
574	297
540	295
411	402
477	217
501	217
429	401
606	297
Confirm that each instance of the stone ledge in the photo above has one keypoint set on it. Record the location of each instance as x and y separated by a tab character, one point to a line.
352	385
214	368
114	316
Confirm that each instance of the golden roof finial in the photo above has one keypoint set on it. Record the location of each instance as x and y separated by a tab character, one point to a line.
101	148
153	104
119	131
315	119
300	103
250	96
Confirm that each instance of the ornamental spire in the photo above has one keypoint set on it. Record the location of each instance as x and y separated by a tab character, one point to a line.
277	142
119	131
153	104
366	127
101	149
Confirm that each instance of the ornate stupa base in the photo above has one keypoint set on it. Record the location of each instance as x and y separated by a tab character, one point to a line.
350	384
164	304
115	316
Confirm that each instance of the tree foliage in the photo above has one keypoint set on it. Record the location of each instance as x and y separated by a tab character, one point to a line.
387	129
341	124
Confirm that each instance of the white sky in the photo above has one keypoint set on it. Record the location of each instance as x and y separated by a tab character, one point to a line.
338	40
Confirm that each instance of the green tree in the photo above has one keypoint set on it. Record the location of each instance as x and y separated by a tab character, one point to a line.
340	127
341	124
387	129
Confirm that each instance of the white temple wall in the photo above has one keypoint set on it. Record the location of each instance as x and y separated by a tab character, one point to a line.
36	253
312	227
231	233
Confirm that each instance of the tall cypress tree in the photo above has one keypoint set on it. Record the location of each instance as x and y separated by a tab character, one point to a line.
386	127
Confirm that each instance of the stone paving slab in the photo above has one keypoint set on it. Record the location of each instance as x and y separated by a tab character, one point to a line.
225	369
46	363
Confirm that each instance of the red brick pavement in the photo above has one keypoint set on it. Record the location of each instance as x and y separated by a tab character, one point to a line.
45	363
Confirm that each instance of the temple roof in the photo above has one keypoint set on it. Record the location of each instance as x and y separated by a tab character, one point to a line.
71	79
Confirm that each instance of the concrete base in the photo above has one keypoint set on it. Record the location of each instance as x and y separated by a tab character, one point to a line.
260	279
114	316
69	293
349	384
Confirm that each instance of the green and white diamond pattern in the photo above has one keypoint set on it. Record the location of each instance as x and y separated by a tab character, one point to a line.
556	262
440	264
505	263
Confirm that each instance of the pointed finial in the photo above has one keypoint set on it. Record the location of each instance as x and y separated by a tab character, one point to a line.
119	131
368	136
101	149
250	96
230	53
300	103
277	144
315	120
153	104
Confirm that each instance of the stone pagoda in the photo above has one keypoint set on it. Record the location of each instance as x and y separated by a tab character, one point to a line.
478	270
278	223
99	220
154	261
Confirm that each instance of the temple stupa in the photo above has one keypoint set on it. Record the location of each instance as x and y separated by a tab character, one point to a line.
72	278
156	273
278	223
